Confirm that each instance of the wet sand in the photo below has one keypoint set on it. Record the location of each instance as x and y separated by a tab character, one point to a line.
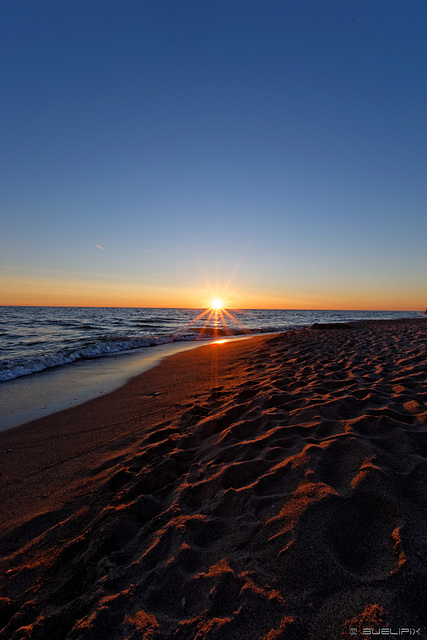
31	397
274	488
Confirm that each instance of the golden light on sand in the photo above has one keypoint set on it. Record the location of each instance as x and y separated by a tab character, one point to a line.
217	304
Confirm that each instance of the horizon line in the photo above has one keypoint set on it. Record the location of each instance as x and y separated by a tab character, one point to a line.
65	306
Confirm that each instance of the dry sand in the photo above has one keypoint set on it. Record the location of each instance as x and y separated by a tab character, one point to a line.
268	489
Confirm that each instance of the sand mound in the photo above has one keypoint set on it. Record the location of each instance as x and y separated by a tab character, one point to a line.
287	502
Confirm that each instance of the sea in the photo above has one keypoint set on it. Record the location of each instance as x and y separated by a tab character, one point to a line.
54	357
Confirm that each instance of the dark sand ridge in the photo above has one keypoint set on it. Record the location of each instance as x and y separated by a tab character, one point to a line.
273	489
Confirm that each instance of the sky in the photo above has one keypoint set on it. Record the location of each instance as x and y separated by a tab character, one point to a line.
157	153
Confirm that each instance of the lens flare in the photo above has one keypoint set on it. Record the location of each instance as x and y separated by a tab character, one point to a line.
217	304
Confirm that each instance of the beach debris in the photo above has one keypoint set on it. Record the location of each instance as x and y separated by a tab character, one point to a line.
331	325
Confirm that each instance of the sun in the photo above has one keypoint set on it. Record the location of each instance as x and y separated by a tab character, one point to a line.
217	304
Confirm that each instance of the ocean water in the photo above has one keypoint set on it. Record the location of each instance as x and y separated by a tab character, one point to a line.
34	339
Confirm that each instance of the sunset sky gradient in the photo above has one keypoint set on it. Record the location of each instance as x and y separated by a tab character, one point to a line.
160	153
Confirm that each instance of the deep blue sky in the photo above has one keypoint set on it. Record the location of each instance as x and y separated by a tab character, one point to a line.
279	144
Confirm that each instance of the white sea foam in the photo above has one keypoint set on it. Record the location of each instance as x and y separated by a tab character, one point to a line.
23	367
11	369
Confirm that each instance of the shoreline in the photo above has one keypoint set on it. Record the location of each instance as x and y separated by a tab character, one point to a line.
80	374
273	488
40	394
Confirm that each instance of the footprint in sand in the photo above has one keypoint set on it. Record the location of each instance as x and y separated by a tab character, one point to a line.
365	536
340	539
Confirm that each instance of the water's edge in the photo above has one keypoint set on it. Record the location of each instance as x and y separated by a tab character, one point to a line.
30	397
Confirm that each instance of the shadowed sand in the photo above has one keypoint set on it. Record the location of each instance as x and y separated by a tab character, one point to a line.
269	489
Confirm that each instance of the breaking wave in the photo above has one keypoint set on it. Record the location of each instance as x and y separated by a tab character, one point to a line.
104	346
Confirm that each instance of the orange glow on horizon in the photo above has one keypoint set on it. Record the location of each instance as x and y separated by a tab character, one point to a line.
48	290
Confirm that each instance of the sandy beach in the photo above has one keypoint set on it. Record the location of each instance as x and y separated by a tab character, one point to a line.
268	489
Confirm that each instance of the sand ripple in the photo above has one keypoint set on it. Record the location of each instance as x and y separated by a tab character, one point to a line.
287	503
